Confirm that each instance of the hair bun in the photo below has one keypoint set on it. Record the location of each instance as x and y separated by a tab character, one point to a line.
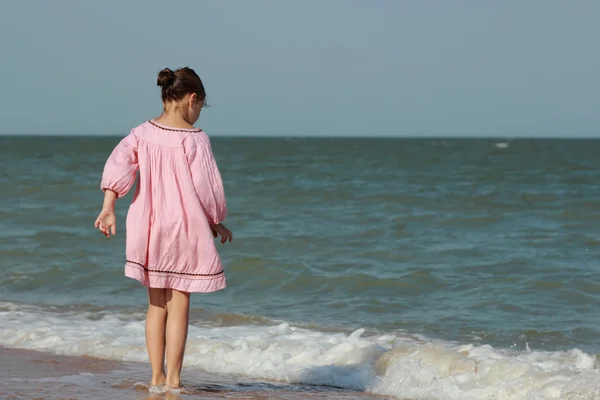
165	78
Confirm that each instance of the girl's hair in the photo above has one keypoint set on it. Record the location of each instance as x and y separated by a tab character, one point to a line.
175	85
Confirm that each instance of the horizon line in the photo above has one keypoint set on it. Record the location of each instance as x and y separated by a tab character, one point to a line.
297	136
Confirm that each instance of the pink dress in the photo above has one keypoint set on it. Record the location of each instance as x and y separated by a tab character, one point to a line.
180	191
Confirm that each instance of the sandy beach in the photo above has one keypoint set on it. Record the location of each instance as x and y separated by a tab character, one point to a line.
27	374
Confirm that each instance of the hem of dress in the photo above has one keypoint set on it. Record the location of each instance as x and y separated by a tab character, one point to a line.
161	280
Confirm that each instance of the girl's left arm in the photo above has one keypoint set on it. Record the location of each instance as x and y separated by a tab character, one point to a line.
121	167
107	220
117	179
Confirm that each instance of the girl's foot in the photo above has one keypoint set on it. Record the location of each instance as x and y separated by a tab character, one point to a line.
174	390
157	389
157	384
174	386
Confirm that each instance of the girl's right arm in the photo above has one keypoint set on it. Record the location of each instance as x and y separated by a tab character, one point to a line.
207	179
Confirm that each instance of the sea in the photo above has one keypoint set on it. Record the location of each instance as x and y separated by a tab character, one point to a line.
404	268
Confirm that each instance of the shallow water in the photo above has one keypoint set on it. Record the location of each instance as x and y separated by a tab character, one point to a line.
25	374
431	246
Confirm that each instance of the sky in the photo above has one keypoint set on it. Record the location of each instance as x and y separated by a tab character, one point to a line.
414	68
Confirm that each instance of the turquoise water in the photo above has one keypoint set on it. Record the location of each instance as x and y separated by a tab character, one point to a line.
481	242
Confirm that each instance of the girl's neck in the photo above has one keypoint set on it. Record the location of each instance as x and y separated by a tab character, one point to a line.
174	120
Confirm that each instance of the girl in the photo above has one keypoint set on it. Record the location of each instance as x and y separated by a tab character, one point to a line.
177	209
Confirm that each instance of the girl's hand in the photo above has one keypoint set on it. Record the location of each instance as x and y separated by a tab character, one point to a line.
107	223
222	230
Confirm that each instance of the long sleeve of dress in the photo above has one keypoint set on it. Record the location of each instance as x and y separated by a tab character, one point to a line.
206	177
121	167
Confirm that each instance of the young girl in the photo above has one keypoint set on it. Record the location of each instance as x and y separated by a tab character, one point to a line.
177	209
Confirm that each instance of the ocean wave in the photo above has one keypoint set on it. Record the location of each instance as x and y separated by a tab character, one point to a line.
399	365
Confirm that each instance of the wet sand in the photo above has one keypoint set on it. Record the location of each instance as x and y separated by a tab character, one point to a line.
27	374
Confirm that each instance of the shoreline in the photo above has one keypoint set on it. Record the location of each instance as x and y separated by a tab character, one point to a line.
40	375
27	374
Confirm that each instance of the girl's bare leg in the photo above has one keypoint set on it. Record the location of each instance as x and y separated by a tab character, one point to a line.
156	319
178	313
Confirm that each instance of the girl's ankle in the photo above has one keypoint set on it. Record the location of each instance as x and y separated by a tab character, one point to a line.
158	380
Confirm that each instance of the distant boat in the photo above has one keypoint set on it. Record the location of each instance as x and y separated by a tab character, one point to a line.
501	145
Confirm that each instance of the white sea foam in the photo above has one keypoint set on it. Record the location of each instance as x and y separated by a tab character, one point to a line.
403	366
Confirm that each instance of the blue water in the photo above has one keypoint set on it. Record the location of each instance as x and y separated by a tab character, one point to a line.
483	242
